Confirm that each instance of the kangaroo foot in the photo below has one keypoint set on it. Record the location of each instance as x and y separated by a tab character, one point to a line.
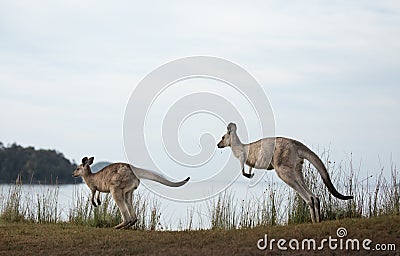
122	225
130	224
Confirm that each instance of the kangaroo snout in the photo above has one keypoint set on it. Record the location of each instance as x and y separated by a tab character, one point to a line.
219	145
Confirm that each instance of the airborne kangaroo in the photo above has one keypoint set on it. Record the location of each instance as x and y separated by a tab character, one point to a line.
121	179
287	160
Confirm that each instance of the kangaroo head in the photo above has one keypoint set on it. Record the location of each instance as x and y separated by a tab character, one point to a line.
226	140
84	167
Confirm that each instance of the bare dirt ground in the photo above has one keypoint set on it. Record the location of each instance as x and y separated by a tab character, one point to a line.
67	239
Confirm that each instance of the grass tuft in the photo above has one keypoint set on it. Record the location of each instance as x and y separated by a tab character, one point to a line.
374	195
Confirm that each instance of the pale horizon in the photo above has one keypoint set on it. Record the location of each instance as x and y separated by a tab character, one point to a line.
330	71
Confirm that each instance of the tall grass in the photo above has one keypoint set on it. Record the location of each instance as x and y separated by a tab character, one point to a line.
42	206
46	206
107	214
383	199
374	195
84	213
223	211
11	210
267	209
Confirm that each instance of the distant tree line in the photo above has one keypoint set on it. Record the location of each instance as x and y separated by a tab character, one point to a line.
27	165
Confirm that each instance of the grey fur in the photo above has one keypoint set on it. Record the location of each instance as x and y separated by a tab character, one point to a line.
119	179
287	159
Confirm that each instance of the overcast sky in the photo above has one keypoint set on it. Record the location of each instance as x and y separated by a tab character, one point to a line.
331	71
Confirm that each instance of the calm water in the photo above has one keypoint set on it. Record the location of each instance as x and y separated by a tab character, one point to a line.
174	215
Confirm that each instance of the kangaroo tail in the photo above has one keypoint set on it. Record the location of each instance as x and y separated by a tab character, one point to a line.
150	175
316	161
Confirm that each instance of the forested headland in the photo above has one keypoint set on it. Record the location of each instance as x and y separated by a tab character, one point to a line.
28	165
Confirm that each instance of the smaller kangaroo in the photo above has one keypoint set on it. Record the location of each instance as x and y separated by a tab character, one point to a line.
287	159
119	179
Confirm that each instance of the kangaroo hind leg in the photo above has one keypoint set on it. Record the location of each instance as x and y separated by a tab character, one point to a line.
295	180
131	210
315	209
119	199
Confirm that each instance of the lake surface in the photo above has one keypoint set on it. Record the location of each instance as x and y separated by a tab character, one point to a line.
174	215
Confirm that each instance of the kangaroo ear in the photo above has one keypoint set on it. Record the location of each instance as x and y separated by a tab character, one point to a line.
84	160
90	161
231	128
